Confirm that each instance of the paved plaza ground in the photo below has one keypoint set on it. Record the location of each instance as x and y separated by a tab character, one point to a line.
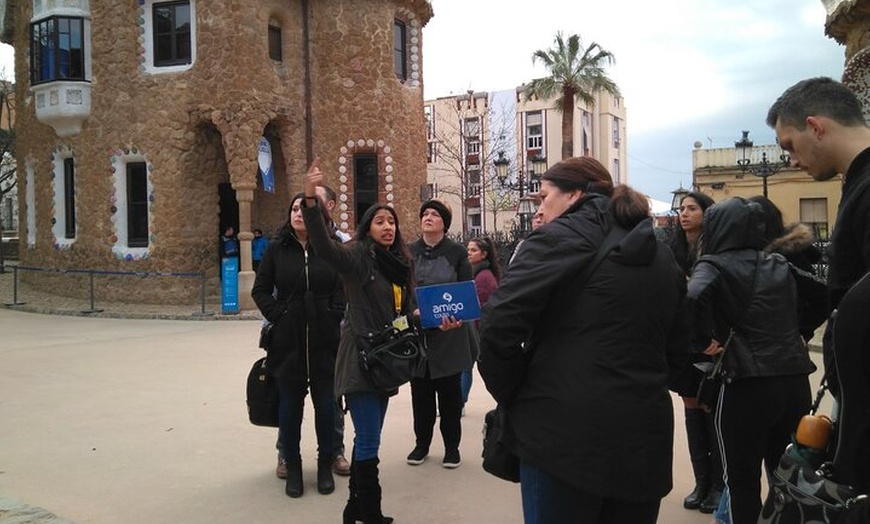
134	421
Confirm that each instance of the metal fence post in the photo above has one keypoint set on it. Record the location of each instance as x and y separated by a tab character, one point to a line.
91	279
15	301
202	312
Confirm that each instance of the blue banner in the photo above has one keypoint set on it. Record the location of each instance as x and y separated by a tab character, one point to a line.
230	285
264	161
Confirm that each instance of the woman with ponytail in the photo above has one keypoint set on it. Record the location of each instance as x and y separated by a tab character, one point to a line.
579	354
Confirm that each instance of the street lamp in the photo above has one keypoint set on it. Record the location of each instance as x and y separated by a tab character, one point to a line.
526	206
763	169
679	195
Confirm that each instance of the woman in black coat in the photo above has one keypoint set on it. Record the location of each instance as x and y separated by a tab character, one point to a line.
700	430
582	367
745	299
303	296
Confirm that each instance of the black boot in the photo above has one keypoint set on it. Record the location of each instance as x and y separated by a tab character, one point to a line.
711	501
368	489
293	487
699	453
325	482
717	480
351	509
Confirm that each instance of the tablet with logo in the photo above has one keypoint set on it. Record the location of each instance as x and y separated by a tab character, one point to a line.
456	299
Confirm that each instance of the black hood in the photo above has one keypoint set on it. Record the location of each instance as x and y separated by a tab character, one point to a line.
735	223
638	247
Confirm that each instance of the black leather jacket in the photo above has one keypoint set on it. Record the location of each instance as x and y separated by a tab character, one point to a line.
737	286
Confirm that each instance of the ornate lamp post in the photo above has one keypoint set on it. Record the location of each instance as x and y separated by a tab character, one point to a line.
677	200
763	169
526	207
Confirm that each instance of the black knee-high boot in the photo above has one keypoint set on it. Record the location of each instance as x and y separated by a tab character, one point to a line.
351	509
717	480
699	453
368	490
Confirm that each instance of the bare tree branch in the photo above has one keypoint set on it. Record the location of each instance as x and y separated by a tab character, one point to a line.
464	153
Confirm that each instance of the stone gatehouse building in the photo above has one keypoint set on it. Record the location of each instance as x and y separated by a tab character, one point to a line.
139	123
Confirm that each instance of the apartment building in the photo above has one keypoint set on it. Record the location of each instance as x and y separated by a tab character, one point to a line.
486	151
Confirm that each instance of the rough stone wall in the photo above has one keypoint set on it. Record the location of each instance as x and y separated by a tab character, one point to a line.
200	127
849	24
354	55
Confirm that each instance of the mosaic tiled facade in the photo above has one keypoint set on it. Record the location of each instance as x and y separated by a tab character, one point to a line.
315	78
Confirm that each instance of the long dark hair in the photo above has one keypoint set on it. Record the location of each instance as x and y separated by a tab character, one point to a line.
683	253
365	225
590	176
486	245
773	226
301	197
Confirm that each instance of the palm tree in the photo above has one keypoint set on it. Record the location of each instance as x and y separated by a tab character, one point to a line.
575	73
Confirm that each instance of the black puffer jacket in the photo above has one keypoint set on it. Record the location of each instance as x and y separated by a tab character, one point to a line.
305	339
583	369
737	286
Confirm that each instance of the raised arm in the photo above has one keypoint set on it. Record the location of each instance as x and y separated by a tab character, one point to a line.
335	253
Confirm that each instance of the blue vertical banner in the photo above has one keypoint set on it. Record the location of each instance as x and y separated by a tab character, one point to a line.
264	162
229	285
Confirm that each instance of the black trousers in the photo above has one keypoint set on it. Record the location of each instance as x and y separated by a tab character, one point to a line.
755	418
448	391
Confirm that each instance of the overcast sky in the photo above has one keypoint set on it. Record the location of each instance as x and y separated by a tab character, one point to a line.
688	69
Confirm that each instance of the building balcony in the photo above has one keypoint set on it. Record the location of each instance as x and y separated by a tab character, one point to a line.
63	105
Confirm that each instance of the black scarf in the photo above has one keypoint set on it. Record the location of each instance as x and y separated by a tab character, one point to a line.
480	266
395	266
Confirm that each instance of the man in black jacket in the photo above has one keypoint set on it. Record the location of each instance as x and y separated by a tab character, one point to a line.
820	123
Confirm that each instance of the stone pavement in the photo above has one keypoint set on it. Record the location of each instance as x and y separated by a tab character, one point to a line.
125	420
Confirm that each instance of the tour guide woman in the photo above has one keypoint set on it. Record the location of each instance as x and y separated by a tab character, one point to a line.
582	368
376	272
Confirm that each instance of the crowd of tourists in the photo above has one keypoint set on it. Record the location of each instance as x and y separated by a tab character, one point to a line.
588	333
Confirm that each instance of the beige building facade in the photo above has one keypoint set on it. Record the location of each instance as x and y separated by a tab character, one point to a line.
715	172
139	127
470	134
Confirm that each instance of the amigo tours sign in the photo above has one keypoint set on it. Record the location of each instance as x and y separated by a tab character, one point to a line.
456	299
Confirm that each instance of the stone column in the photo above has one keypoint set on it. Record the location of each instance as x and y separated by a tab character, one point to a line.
245	195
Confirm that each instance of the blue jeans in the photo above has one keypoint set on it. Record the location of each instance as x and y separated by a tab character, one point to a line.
367	411
465	382
548	500
291	405
721	514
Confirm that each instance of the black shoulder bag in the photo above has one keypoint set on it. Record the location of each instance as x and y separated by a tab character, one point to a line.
498	460
262	396
260	388
392	357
